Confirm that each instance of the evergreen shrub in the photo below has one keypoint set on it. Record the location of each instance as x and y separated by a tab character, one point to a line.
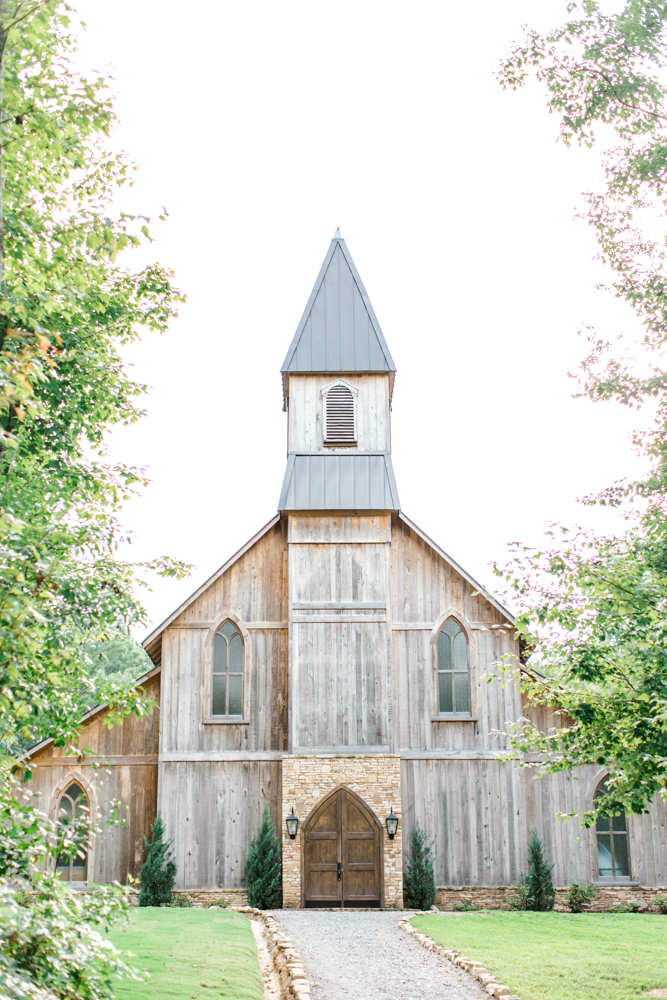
159	869
539	886
418	878
579	895
263	869
660	903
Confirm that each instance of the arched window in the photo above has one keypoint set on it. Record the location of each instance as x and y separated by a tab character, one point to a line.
453	685
72	811
227	671
612	837
339	417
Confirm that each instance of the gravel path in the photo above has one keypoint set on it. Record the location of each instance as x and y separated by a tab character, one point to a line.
366	956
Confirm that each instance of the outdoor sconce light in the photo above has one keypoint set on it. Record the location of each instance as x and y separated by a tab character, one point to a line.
392	824
292	824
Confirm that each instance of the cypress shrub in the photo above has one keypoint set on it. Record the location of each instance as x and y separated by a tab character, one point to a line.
159	870
263	869
539	886
418	878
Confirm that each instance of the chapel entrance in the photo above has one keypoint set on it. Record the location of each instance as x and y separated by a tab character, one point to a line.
342	862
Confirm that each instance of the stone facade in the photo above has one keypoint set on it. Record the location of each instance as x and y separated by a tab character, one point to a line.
494	897
376	778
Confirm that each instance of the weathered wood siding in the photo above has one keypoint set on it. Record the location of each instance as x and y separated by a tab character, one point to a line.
306	414
255	590
212	810
339	577
471	810
424	588
130	776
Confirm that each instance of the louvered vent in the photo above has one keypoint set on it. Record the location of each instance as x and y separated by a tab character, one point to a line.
339	405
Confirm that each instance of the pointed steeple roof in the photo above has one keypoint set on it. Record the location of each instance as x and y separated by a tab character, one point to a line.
339	331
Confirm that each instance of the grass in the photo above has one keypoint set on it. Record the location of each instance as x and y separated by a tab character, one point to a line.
190	954
559	956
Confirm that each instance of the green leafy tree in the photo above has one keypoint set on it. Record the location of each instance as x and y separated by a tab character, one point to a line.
418	877
539	885
594	609
158	870
115	657
263	867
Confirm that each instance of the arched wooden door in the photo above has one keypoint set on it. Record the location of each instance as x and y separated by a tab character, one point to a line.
342	863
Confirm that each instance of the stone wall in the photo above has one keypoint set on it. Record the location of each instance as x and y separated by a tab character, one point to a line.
494	897
376	778
215	897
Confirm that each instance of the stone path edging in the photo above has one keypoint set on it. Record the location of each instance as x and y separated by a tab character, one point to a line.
476	969
293	980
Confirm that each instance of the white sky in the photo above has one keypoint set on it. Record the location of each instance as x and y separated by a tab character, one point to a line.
263	126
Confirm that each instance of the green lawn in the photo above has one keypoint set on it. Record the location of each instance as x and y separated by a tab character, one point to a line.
189	954
559	956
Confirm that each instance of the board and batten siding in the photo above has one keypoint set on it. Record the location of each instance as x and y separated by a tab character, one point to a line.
306	411
339	579
129	752
215	808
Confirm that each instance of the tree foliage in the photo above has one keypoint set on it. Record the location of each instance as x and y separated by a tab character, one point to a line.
418	877
594	609
263	868
158	871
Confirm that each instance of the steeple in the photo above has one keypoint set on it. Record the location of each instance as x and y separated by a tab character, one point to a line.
338	379
339	331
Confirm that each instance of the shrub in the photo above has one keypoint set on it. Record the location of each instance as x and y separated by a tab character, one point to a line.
660	903
630	907
159	870
579	895
418	879
519	900
466	906
180	899
539	886
263	868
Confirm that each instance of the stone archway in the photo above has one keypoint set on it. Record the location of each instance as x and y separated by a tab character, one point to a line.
342	853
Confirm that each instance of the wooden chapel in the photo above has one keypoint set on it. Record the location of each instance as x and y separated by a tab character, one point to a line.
334	667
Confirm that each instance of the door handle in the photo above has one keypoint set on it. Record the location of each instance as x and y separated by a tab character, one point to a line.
339	871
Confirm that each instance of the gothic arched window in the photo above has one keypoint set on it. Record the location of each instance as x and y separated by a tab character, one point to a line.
612	838
227	698
453	694
73	814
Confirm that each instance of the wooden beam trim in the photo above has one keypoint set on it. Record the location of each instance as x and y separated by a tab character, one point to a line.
209	625
219	755
136	761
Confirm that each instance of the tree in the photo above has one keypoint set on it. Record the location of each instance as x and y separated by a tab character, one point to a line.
594	609
539	886
67	305
418	877
263	868
158	870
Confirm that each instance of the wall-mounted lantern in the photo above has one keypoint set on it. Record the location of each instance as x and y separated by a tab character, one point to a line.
292	824
392	824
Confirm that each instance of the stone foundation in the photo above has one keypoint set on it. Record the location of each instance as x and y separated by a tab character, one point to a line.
493	897
376	778
215	897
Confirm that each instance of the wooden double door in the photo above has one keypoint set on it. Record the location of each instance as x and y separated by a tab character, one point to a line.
342	853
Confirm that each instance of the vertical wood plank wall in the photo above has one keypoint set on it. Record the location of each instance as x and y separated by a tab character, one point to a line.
116	851
305	412
339	670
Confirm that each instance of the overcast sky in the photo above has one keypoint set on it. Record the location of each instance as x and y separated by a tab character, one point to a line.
263	126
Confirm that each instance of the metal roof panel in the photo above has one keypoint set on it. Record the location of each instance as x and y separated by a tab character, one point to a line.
339	331
339	482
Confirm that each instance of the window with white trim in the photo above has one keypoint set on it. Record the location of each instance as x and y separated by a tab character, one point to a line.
340	425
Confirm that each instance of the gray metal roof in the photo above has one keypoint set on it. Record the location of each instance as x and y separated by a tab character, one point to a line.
339	331
339	482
